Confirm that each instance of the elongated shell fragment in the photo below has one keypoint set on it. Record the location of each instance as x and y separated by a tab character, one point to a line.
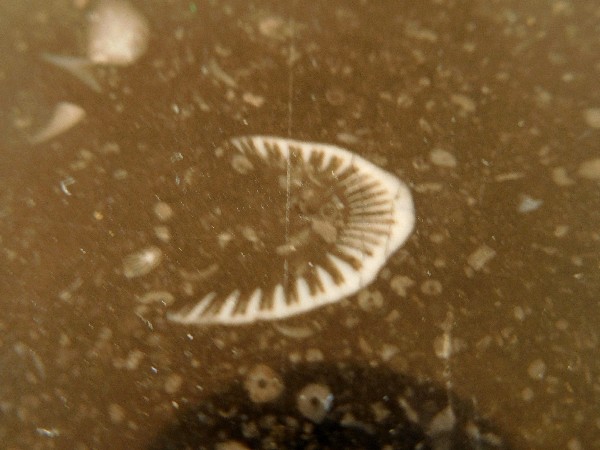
298	225
64	117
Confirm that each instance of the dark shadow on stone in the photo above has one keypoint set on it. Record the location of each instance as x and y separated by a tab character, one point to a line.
330	406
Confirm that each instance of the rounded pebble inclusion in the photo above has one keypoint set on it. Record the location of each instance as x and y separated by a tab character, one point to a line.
263	228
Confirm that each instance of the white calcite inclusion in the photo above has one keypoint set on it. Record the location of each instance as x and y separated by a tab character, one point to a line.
373	213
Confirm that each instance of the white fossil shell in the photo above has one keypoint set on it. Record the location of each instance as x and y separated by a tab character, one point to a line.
307	224
142	262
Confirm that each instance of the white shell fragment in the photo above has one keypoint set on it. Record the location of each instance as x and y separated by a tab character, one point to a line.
64	117
142	262
118	34
308	224
80	68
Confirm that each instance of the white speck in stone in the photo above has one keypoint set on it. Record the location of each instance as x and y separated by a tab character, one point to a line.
314	402
529	204
163	211
400	284
443	422
120	174
177	156
411	414
64	185
231	445
480	257
164	297
252	99
314	355
116	413
527	394
173	383
509	176
295	332
574	444
590	169
442	345
442	158
369	300
295	357
592	117
132	361
465	103
431	287
561	177
388	351
163	233
537	369
519	313
48	432
561	230
347	138
241	164
380	411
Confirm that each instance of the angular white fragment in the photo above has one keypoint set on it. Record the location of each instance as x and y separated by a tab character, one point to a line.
443	422
64	117
529	204
480	257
